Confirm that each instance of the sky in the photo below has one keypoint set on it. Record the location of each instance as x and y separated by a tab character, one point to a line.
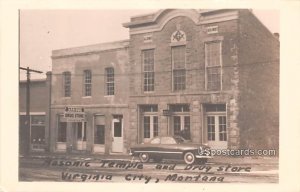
42	31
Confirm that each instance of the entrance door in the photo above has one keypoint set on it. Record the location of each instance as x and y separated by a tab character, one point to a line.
150	127
181	125
80	130
117	134
216	131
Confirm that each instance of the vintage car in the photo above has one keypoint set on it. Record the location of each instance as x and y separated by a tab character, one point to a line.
171	147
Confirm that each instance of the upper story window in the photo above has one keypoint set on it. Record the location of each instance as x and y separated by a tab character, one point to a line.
213	63
178	65
67	84
87	83
148	65
110	81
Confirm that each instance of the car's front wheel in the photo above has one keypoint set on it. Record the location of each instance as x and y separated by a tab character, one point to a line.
144	157
189	158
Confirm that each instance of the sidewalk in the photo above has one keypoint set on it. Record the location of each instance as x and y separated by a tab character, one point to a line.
126	157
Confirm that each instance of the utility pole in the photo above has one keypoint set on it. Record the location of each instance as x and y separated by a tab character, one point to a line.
26	137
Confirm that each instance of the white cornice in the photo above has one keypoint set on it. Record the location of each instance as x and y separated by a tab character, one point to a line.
160	20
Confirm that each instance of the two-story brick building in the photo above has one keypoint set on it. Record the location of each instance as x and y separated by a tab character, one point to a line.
91	78
212	74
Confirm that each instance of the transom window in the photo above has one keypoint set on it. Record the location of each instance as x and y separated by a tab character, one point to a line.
179	108
110	81
87	83
213	61
67	84
179	71
148	63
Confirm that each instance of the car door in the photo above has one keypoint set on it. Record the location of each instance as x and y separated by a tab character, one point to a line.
169	148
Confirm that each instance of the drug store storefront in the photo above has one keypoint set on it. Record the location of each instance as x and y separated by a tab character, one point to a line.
86	130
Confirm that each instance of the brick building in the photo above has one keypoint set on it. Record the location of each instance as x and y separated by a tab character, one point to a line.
212	74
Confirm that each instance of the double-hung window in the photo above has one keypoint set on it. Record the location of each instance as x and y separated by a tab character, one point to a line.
110	81
87	83
67	84
148	65
213	60
179	71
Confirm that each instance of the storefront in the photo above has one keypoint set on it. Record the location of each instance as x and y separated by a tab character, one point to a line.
37	130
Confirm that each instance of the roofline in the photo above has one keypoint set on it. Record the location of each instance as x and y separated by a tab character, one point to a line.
73	51
33	80
159	12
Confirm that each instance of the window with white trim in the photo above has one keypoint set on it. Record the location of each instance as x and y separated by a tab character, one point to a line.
110	81
213	65
178	65
87	83
148	65
67	84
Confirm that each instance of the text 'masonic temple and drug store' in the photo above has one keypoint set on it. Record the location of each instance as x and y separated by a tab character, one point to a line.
212	73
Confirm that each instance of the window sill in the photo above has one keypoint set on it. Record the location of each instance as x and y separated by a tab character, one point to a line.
86	97
109	95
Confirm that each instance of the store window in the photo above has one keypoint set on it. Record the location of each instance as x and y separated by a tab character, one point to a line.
148	65
37	132
87	83
110	81
179	70
213	60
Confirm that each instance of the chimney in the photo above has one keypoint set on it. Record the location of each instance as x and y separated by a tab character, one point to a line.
276	35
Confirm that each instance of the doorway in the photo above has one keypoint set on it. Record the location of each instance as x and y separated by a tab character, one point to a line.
80	135
216	126
117	134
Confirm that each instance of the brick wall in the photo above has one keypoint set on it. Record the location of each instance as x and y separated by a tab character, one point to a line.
259	84
39	96
96	62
